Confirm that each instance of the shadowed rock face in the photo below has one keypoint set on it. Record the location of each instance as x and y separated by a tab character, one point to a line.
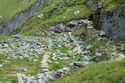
113	23
22	17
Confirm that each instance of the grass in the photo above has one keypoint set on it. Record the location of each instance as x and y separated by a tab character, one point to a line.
105	72
10	8
74	2
55	14
68	14
110	5
3	38
63	63
14	66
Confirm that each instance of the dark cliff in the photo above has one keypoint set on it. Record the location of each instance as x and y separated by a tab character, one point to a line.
112	22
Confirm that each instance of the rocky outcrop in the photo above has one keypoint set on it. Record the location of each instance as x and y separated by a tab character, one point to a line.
85	45
95	6
22	17
113	23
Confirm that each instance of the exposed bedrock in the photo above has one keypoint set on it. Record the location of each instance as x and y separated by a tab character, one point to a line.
22	17
112	22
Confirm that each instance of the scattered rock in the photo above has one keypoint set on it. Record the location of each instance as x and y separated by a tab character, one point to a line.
40	16
78	64
100	55
62	36
60	28
102	33
20	79
77	50
57	53
41	81
122	48
76	13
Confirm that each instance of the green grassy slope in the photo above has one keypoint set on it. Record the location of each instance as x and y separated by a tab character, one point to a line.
9	8
56	13
112	4
13	66
106	72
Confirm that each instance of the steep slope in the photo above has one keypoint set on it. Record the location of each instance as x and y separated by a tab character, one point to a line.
106	72
109	16
20	18
100	11
58	11
9	9
50	39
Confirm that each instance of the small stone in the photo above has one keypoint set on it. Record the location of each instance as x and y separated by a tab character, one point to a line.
20	79
78	64
41	81
66	69
122	48
98	54
59	73
1	65
17	36
102	33
25	69
35	60
57	53
89	47
120	57
50	76
76	13
90	27
87	58
64	58
72	24
77	50
40	16
45	70
55	62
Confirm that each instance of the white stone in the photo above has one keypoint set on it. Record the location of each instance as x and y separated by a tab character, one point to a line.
19	77
40	16
76	12
41	81
1	65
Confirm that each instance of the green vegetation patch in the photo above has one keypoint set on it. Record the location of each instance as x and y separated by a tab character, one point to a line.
112	4
64	17
105	72
3	38
13	66
55	14
9	8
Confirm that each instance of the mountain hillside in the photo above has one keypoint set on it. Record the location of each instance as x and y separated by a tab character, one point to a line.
62	41
9	9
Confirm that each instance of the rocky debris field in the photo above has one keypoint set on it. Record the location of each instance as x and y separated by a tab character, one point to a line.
59	51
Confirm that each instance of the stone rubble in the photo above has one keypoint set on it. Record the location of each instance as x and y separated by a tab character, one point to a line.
64	35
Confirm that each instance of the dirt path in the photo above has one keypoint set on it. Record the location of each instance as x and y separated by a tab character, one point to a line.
45	64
